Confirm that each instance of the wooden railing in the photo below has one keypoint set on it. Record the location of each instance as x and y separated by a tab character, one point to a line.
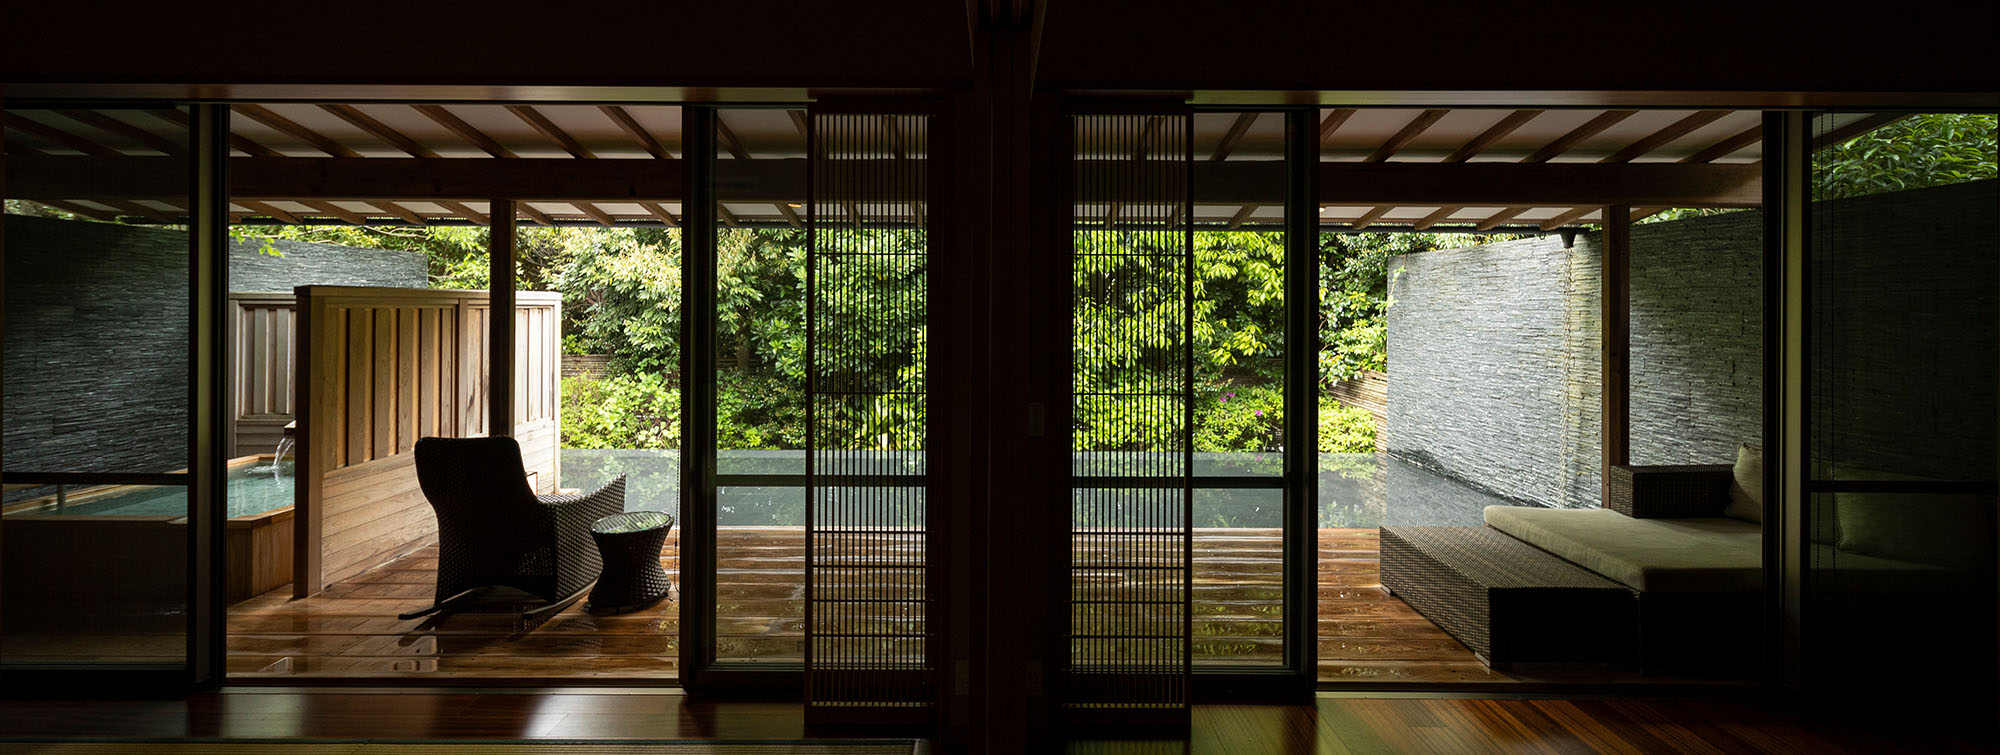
380	368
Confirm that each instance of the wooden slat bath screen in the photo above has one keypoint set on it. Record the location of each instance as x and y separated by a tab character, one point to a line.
379	368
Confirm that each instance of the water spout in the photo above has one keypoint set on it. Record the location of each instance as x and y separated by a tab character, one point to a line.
285	443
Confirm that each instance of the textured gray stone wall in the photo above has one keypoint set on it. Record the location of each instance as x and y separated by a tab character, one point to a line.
301	263
1493	350
97	332
1526	316
96	347
1476	362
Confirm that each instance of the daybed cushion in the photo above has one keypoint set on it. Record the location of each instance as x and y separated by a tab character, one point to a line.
1948	530
1746	491
1700	554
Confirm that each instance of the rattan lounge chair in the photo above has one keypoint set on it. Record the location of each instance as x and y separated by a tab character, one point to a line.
493	531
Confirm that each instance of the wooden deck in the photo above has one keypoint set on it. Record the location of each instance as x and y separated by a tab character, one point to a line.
351	629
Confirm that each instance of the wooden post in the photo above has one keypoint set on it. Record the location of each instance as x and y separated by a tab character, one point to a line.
1616	364
500	321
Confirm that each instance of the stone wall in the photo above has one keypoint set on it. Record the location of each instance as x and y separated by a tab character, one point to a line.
1494	356
1494	350
1477	359
300	263
96	352
97	334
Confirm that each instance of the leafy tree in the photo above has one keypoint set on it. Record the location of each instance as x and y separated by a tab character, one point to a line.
1916	152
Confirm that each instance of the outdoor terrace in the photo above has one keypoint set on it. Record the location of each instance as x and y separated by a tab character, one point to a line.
351	629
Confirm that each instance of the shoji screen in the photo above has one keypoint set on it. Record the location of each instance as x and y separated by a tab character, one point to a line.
868	655
1130	549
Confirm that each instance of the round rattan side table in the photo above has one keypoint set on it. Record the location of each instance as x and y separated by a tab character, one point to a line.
632	577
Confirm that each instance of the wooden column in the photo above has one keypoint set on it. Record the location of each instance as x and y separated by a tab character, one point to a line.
1616	362
500	321
208	430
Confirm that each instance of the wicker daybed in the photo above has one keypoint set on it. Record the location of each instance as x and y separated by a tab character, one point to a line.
1660	577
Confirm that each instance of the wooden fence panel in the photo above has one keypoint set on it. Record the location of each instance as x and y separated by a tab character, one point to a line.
384	368
261	370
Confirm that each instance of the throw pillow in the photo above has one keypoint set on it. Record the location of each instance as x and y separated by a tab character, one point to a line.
1746	490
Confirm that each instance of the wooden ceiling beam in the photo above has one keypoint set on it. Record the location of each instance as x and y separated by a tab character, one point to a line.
1728	146
109	124
1333	121
335	211
381	130
269	211
1590	128
1566	218
1235	134
129	207
1434	218
728	218
1513	122
459	209
791	218
319	141
799	121
405	213
238	141
729	140
1235	183
1495	219
660	211
464	130
1646	212
73	208
1416	127
548	128
1147	135
18	123
895	137
1242	215
632	129
529	211
1842	134
596	213
1368	218
1660	138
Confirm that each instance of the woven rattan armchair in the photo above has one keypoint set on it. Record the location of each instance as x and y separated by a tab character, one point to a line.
493	531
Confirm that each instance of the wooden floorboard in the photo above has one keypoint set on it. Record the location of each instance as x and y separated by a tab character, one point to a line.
351	629
1326	724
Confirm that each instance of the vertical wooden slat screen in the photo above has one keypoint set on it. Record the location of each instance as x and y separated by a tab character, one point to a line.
385	367
868	637
261	367
1128	656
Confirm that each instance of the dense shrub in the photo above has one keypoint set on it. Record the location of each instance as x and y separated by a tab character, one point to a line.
1345	429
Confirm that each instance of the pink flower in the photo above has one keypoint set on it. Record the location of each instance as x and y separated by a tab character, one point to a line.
1260	412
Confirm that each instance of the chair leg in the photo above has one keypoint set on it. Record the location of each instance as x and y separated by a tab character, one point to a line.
442	605
559	604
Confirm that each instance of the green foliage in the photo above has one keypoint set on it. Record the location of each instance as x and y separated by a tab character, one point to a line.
621	292
633	410
759	410
1345	429
1239	418
1913	153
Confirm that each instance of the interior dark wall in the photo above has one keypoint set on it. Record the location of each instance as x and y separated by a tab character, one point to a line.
1562	45
1168	45
512	42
